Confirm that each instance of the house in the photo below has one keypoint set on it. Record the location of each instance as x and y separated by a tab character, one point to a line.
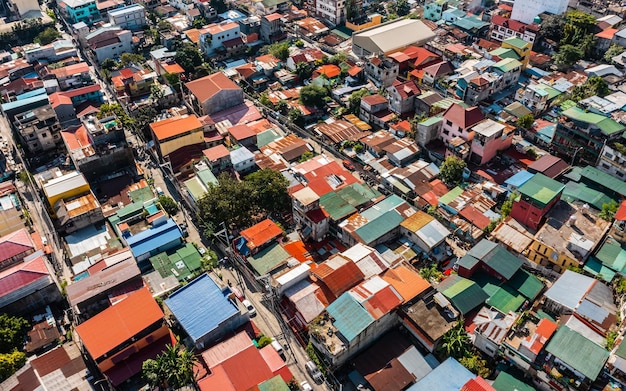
14	246
273	6
433	10
69	76
63	187
90	295
109	42
82	11
524	351
425	231
242	159
39	129
390	37
218	158
568	238
243	135
381	71
521	47
258	237
205	311
458	122
311	220
376	142
77	213
64	109
133	82
402	96
131	17
179	140
357	318
538	195
436	72
371	105
619	224
216	38
332	11
140	333
490	330
237	364
161	236
271	28
574	352
527	10
549	165
464	294
27	286
337	275
450	375
586	298
211	94
503	28
490	138
538	97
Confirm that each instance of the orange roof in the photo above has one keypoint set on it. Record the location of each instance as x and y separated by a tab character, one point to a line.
76	138
329	70
607	34
241	132
261	233
273	17
338	274
173	68
298	251
70	70
208	86
406	281
477	384
217	152
119	323
57	99
175	126
193	35
217	28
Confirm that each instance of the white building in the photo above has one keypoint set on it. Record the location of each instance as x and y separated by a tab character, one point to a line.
527	10
613	160
110	42
242	159
390	37
333	11
213	36
53	52
132	17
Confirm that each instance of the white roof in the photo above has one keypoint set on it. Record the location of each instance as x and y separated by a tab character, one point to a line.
433	233
488	127
293	274
125	10
306	196
603	70
394	35
569	289
240	155
77	3
64	183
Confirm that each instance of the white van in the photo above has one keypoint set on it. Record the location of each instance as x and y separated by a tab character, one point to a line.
278	347
314	371
249	307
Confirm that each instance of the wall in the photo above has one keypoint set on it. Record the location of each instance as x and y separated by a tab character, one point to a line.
195	136
375	20
221	101
138	345
31	298
113	161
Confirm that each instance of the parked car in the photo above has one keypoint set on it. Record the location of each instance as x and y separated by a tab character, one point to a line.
278	347
314	371
348	164
249	307
305	386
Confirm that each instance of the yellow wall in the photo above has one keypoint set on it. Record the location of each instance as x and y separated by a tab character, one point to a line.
523	53
376	20
168	146
142	343
64	196
542	255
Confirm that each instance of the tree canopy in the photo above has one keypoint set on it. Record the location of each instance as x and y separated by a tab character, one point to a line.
525	121
172	369
451	170
612	51
354	101
280	50
168	204
567	56
128	58
303	70
188	57
47	36
12	336
595	85
313	95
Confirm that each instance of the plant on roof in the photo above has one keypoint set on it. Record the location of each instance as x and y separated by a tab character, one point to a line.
354	101
608	210
611	336
431	273
172	369
263	341
613	51
455	342
525	121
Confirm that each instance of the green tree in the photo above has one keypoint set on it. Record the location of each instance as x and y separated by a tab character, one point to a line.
402	7
338	58
608	210
451	170
354	101
188	57
129	58
199	22
269	190
219	5
10	363
308	155
280	50
109	64
567	56
507	206
173	79
47	36
303	70
476	364
613	51
282	107
164	25
265	100
552	28
313	95
455	343
525	121
168	204
431	273
263	341
25	177
296	116
229	201
172	369
12	332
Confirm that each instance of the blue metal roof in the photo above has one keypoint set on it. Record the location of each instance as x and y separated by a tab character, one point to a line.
30	94
519	179
153	238
201	306
450	375
350	316
24	102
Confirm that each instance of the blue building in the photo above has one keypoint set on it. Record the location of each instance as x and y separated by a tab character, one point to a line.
82	11
205	311
156	239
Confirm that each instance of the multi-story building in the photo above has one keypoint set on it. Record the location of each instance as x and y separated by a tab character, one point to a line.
214	36
582	135
613	159
382	71
109	42
213	93
52	52
433	10
537	96
538	196
39	129
474	87
271	28
132	17
503	28
179	140
458	121
334	11
311	220
82	11
490	137
78	213
527	10
520	46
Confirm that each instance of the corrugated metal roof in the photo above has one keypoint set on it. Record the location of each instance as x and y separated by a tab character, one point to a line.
578	352
502	262
351	318
526	284
201	306
380	226
569	289
268	259
455	375
418	220
153	237
506	382
541	189
463	293
433	233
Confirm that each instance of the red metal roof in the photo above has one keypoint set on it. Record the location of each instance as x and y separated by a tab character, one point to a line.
607	34
462	117
15	243
241	132
338	280
474	216
81	91
477	384
216	152
261	233
22	274
130	316
621	211
318	180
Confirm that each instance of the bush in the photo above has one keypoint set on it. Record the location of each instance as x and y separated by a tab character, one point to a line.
263	341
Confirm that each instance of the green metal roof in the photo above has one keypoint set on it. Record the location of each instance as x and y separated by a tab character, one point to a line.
542	315
467	262
463	293
516	42
274	384
578	352
507	64
182	263
505	300
541	189
378	227
621	350
141	195
431	120
450	196
470	22
604	179
607	125
502	262
482	248
341	203
506	382
580	192
268	259
132	209
594	267
267	137
526	284
351	318
549	90
517	109
612	255
195	188
207	177
568	104
504	53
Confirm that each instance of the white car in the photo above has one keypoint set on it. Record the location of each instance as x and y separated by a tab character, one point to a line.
249	307
305	386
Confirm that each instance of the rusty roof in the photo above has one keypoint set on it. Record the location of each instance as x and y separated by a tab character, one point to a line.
261	233
175	126
209	86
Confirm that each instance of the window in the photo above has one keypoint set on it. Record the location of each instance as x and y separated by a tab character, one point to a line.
448	122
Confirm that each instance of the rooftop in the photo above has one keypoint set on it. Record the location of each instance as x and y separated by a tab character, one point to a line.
175	126
463	293
455	375
209	86
541	190
607	125
578	352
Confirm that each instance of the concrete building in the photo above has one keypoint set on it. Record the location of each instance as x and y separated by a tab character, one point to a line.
131	17
82	11
77	213
179	140
503	28
217	37
433	10
526	11
109	42
538	195
271	29
390	37
57	186
382	71
490	137
458	121
613	160
39	129
53	52
333	11
213	93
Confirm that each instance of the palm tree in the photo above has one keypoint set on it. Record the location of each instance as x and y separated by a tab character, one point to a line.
455	341
172	369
